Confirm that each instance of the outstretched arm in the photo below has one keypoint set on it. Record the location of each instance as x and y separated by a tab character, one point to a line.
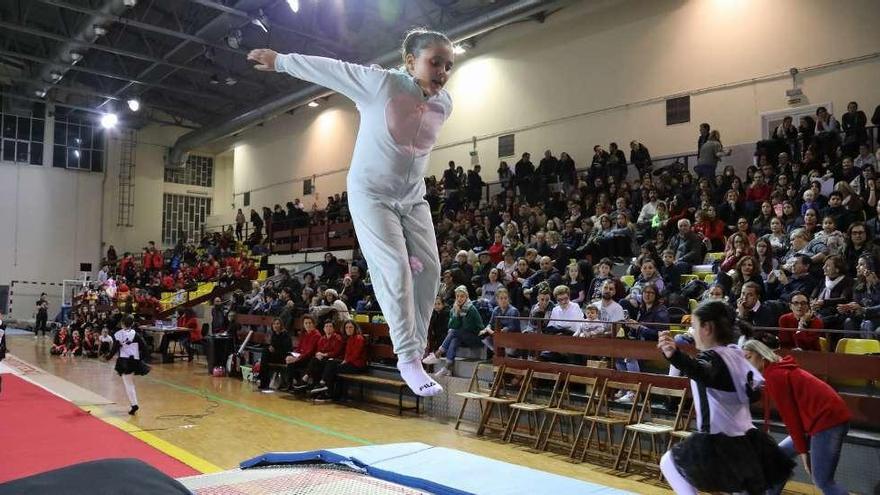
357	82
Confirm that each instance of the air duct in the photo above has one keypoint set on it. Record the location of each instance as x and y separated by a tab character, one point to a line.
270	109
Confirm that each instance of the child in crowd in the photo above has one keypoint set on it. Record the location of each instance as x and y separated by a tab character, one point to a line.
59	344
727	453
105	343
593	327
74	348
402	112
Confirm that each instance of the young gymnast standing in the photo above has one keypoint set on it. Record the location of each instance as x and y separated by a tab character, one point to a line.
401	112
128	344
727	453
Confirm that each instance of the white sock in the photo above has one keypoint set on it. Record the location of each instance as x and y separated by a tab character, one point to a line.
128	381
413	373
678	483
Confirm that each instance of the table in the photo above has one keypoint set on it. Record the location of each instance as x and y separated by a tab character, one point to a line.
162	333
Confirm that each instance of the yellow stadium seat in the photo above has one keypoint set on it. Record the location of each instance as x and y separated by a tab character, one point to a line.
692	303
709	278
628	280
823	344
716	256
687	277
263	275
362	318
858	346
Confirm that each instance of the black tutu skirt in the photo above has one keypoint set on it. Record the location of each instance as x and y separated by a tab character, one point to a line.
127	366
719	463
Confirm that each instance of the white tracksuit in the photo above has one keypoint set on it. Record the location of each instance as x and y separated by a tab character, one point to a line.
386	189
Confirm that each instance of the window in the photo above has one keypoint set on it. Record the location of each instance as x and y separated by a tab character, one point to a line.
678	110
198	171
22	137
247	198
183	218
79	143
505	145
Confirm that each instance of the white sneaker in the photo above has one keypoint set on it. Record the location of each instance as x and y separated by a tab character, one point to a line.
619	394
627	398
267	391
431	359
444	371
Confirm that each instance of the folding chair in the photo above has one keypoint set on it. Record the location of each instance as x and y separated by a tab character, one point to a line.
651	424
565	408
478	389
683	429
538	394
609	418
511	383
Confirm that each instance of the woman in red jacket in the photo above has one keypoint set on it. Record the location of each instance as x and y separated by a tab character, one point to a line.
330	346
355	361
816	417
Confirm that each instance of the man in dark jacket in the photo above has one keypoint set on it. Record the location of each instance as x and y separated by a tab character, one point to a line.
751	309
279	347
782	286
687	246
474	185
524	173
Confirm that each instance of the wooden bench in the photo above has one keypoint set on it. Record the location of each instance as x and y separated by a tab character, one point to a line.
377	335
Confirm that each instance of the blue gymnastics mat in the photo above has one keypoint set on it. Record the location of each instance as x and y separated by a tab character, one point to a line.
438	470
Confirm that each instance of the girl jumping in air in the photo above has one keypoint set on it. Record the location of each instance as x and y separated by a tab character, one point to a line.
402	112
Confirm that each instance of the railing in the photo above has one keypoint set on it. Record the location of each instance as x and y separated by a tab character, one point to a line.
314	238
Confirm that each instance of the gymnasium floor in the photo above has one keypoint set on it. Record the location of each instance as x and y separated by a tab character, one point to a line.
214	423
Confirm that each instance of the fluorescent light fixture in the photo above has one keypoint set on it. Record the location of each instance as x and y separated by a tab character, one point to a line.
230	81
294	5
40	93
76	153
313	104
76	56
99	30
129	3
55	75
134	105
458	49
109	120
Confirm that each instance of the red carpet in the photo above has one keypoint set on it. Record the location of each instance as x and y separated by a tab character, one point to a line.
40	431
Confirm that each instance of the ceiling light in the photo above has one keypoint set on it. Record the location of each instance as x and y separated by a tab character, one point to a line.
109	120
313	104
76	56
233	39
215	79
458	49
134	105
261	21
40	93
55	75
230	81
99	30
129	3
294	5
76	153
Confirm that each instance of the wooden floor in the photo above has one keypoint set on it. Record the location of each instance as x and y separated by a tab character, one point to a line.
224	421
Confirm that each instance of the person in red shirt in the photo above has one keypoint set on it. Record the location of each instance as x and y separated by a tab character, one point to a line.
305	351
711	228
168	282
816	417
496	250
330	346
354	361
802	318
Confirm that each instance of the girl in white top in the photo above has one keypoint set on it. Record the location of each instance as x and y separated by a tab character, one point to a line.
401	113
128	344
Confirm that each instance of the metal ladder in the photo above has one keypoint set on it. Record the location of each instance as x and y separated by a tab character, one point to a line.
127	157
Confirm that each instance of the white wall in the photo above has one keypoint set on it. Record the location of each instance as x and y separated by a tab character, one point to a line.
588	76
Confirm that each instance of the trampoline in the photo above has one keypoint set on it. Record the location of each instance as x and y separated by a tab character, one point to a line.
404	468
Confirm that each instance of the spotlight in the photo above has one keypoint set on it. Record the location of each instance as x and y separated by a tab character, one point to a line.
40	93
294	5
76	153
55	75
109	120
261	21
134	105
233	39
230	81
99	30
458	49
76	56
313	104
